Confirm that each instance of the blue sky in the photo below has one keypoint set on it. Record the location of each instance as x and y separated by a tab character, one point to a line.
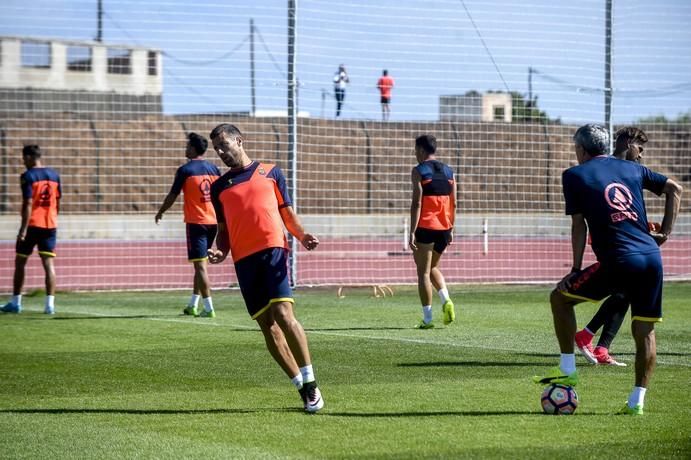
430	48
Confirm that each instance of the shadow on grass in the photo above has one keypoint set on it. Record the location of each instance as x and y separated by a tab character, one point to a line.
357	328
78	317
469	364
632	354
460	413
60	411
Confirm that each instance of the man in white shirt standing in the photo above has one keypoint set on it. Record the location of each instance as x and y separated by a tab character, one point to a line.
340	82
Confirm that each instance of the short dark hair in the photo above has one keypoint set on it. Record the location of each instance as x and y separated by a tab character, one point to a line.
225	128
632	134
385	72
593	138
31	150
427	143
198	143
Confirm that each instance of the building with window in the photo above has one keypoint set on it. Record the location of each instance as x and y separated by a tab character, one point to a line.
473	106
47	75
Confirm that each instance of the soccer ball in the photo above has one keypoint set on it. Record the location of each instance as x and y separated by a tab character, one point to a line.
559	399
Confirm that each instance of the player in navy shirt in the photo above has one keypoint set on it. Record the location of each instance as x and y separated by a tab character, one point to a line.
605	195
611	314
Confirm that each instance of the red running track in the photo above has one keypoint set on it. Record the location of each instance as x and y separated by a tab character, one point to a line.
92	265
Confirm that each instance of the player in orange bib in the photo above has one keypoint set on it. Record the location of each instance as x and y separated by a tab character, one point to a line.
41	191
252	206
432	217
194	180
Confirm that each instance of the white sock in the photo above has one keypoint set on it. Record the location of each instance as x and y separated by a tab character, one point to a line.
567	363
50	301
427	313
194	301
443	295
297	381
636	397
208	304
307	374
17	299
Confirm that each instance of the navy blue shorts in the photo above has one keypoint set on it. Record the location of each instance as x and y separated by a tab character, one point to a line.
200	238
263	279
44	238
638	277
440	238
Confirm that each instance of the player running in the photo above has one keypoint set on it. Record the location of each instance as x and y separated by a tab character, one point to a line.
41	192
611	314
194	179
605	195
432	216
252	205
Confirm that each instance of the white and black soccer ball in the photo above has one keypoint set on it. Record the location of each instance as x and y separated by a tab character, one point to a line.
558	399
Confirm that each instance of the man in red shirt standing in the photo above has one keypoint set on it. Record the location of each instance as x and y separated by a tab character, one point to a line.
385	84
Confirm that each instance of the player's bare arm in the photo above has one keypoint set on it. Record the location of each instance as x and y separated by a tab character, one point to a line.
26	214
167	203
415	207
216	256
672	192
579	234
292	223
452	198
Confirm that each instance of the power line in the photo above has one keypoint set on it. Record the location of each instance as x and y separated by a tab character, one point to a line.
207	62
268	51
489	53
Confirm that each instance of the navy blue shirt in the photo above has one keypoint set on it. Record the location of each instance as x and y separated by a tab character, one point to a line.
609	193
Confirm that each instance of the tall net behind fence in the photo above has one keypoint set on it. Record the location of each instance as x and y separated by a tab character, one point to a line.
502	85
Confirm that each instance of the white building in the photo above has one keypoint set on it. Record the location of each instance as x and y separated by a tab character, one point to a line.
474	106
38	74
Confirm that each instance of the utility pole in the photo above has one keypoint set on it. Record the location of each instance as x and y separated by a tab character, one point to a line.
608	69
99	27
530	86
252	74
292	127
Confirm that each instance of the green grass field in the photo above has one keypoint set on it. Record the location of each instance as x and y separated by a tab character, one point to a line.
122	375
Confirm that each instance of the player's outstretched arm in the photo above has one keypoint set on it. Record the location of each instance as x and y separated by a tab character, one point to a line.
672	191
292	223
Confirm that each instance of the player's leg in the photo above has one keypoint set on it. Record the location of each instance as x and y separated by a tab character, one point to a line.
441	242
616	307
643	286
206	240
276	344
590	284
297	341
49	269
15	303
46	239
423	264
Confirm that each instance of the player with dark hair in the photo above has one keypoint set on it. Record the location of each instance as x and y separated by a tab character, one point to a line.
432	217
194	180
611	314
41	192
252	205
604	194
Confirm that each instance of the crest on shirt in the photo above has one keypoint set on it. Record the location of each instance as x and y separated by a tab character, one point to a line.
620	199
261	171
